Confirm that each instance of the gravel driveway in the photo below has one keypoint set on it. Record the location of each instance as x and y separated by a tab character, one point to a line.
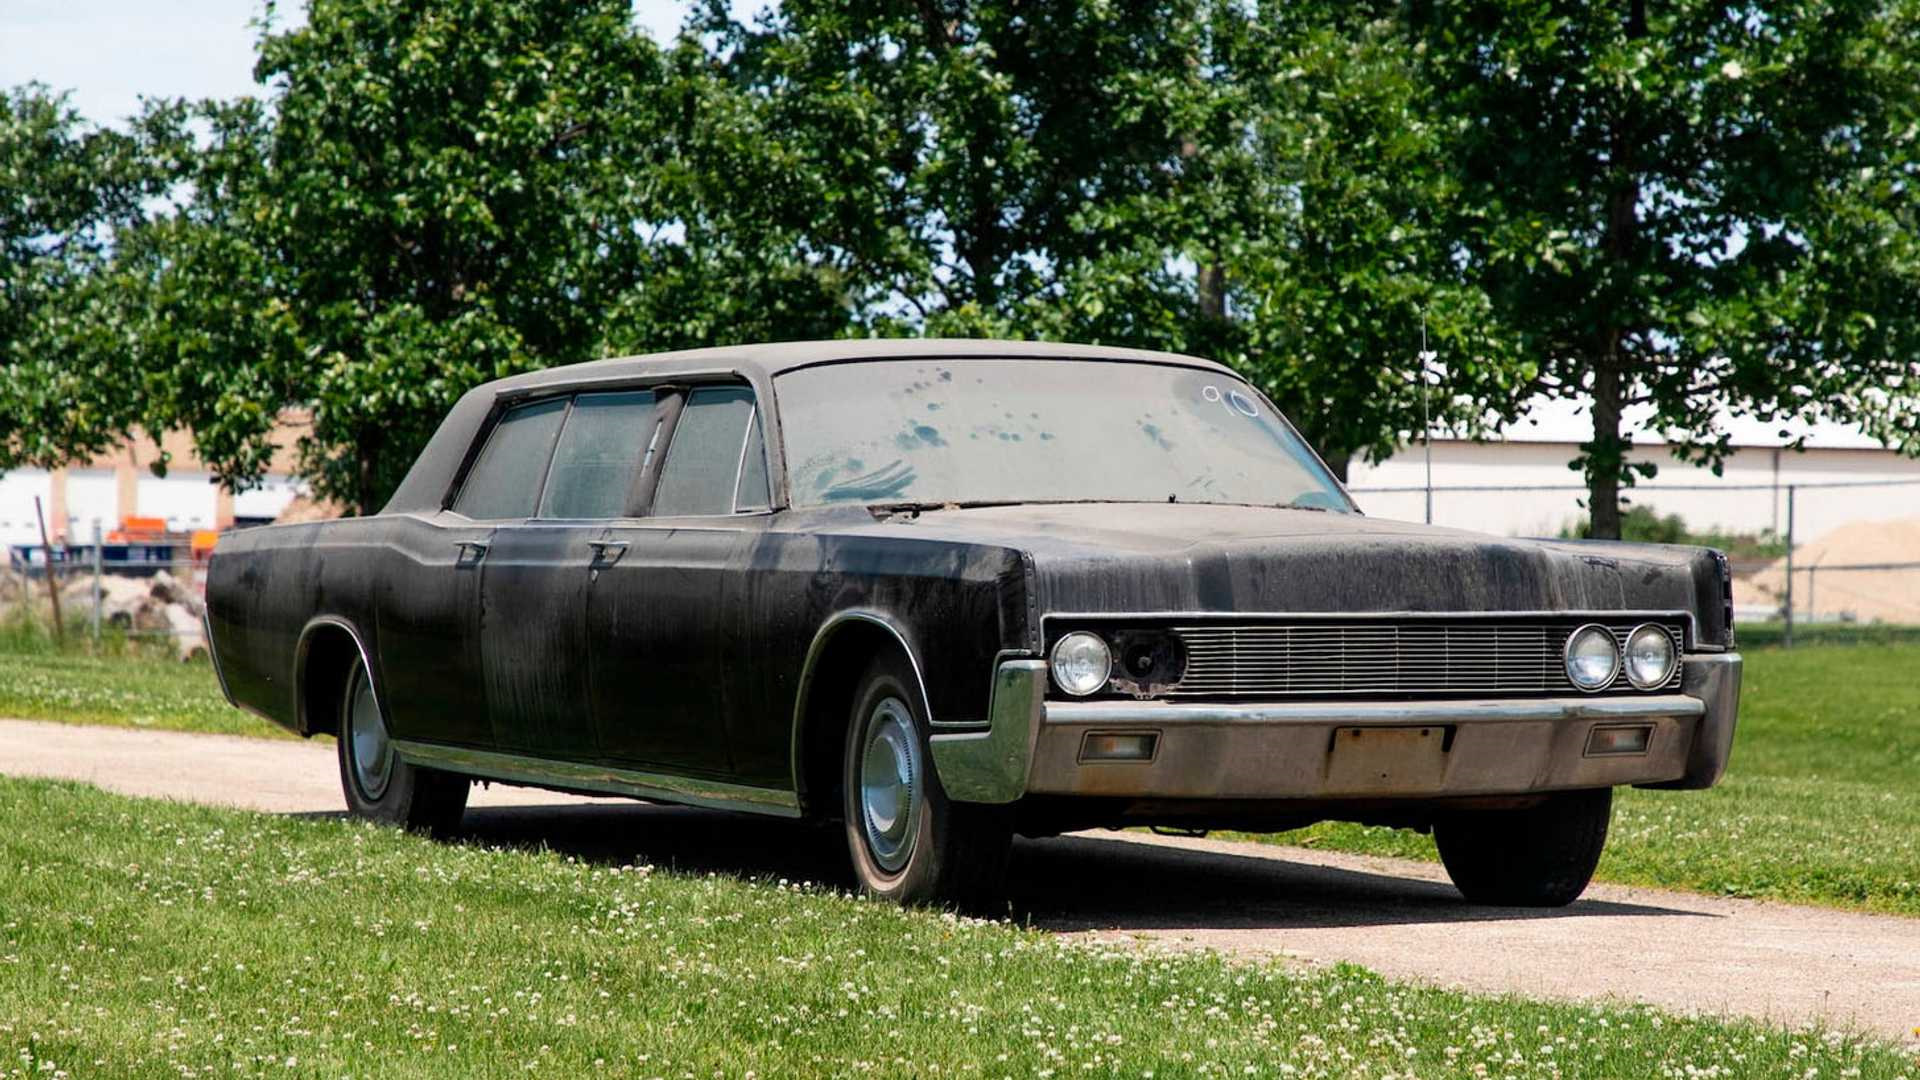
1681	951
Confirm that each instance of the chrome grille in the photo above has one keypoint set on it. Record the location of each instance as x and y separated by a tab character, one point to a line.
1305	660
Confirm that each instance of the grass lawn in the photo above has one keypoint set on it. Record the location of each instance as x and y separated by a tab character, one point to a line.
122	682
1821	803
124	690
141	938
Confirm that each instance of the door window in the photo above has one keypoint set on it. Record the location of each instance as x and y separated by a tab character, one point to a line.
703	466
602	450
505	481
754	492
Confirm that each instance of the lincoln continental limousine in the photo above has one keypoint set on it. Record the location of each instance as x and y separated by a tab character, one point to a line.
943	592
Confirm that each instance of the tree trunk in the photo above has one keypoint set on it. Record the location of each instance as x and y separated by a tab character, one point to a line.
1607	456
367	470
1213	293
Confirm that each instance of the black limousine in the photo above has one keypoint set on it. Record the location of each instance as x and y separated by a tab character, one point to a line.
947	591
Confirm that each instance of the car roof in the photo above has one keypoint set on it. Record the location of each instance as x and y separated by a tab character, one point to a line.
772	359
432	474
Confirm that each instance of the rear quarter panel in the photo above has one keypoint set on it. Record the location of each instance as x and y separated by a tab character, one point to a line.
265	585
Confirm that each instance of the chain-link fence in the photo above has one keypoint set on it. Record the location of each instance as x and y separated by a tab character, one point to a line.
1805	553
1808	556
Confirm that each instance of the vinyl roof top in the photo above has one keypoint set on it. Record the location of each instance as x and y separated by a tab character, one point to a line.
772	359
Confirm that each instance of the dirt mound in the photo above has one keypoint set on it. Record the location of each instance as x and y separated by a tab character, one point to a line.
1822	592
307	508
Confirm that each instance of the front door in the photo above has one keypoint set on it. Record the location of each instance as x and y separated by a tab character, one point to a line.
658	626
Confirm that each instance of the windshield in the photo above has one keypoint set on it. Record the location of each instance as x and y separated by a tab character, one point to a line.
972	431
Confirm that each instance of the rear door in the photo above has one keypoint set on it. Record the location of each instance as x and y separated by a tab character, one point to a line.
665	623
430	615
540	571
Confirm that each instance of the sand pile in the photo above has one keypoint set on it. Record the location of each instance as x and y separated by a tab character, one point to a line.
1891	596
306	508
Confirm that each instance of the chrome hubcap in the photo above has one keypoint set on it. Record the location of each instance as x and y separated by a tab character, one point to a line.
368	745
890	784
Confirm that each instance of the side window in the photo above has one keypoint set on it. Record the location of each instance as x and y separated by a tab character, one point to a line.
754	492
602	449
702	468
505	481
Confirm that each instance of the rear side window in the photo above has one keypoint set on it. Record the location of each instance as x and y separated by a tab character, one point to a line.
602	449
702	469
505	481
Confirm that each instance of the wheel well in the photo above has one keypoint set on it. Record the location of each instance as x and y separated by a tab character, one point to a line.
830	686
326	659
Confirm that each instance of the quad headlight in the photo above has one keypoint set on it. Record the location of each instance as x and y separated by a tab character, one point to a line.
1592	656
1650	656
1081	663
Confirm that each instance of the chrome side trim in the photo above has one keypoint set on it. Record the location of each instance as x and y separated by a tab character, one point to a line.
1360	713
820	639
300	670
991	766
543	772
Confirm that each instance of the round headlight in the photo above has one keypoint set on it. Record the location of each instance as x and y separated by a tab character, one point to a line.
1650	656
1081	663
1592	657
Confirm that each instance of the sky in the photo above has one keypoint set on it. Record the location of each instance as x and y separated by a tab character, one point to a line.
108	53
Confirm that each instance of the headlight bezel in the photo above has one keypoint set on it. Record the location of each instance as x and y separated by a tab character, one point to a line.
1626	656
1613	649
1056	663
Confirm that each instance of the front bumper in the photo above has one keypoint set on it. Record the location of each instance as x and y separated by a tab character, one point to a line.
1322	750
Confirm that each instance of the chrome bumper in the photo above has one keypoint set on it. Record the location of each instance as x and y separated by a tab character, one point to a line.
1311	750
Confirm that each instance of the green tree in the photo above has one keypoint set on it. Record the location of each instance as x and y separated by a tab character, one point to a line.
1312	198
946	162
1265	185
66	189
451	194
1691	206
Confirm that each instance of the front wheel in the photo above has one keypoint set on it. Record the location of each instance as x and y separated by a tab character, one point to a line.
377	783
1542	856
909	842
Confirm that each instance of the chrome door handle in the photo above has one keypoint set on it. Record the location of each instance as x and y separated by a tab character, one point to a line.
607	552
471	551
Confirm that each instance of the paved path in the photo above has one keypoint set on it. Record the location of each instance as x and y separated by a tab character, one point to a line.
1681	951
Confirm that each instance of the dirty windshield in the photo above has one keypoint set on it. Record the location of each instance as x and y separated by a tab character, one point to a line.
992	431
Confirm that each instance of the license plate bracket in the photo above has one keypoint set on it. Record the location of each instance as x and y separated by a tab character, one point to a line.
1387	760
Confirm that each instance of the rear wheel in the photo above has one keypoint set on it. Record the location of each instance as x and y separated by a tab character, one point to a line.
909	842
376	782
1542	856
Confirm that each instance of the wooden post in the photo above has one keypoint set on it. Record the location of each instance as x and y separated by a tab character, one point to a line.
53	587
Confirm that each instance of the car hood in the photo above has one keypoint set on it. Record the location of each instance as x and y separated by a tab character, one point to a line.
1151	557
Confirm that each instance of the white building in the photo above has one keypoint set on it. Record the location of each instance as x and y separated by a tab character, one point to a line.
1842	476
118	485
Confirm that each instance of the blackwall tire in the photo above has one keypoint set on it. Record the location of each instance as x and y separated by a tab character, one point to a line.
1543	856
909	843
380	786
